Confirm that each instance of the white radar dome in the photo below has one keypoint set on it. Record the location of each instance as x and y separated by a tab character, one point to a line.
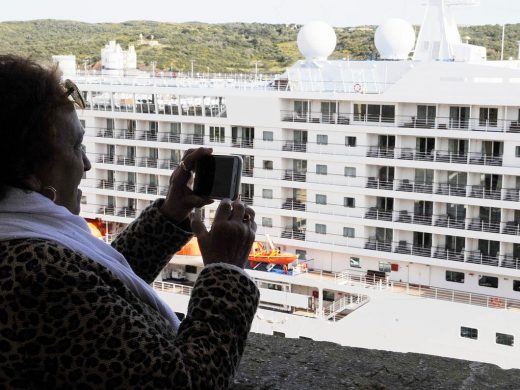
316	40
395	39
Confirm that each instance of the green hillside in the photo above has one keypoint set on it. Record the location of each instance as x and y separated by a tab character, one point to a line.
232	47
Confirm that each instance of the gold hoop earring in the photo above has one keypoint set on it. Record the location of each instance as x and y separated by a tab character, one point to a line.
53	190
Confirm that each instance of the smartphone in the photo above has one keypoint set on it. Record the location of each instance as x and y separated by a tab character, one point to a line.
218	177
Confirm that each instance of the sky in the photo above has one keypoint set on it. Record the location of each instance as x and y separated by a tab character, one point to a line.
338	13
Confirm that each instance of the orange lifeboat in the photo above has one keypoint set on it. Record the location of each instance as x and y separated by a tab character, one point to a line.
190	249
259	254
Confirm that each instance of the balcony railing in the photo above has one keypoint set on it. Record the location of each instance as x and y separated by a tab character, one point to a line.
379	214
380	184
485	193
293	234
404	247
511	227
294	146
293	204
377	245
247	143
315	117
448	254
292	175
151	189
451	223
147	162
476	257
451	189
484	226
407	185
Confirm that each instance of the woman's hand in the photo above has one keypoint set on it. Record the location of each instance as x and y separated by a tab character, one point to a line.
231	236
180	200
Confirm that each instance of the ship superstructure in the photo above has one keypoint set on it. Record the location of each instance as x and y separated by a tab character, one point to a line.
404	172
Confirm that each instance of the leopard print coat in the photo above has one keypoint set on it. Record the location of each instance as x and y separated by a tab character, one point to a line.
67	322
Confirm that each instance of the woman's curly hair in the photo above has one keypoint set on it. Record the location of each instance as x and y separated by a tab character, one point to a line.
30	99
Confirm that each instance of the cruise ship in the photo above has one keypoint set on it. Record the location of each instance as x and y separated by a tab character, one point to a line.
396	182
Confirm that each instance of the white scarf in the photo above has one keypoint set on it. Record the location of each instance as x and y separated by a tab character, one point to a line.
31	215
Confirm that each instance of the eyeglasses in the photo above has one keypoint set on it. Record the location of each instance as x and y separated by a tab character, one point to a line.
73	93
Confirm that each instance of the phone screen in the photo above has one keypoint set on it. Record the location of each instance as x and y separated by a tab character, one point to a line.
218	177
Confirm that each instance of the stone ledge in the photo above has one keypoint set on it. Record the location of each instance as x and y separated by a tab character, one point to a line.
271	362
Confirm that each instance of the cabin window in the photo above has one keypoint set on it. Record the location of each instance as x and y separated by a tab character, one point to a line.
328	295
272	286
385	266
488	281
82	122
349	232
488	117
267	193
321	228
453	276
516	285
268	136
321	169
350	141
216	134
469	333
517	151
268	165
190	269
349	202
267	222
505	339
83	200
350	172
302	255
321	199
355	262
322	139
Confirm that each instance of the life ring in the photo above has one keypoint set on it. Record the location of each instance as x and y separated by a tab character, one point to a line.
358	88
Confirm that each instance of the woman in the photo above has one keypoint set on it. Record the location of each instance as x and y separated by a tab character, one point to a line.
75	312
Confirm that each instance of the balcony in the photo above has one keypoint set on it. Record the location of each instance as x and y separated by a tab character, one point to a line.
145	108
485	193
247	200
511	227
106	210
403	247
147	162
291	175
293	204
293	146
451	189
380	152
379	184
126	134
192	139
448	254
150	189
476	257
169	164
449	222
478	224
126	212
379	214
293	234
413	154
512	194
407	185
247	172
451	158
126	187
169	137
247	143
510	261
376	245
105	133
147	135
105	159
485	159
105	184
315	117
126	160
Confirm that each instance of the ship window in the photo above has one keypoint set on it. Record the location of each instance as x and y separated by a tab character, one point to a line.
349	202
517	151
321	169
453	276
82	122
355	262
321	199
191	269
272	286
267	194
83	200
302	255
488	281
268	164
350	141
216	134
267	222
350	171
516	285
505	339
385	266
268	136
470	333
321	228
488	117
349	232
328	295
322	139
